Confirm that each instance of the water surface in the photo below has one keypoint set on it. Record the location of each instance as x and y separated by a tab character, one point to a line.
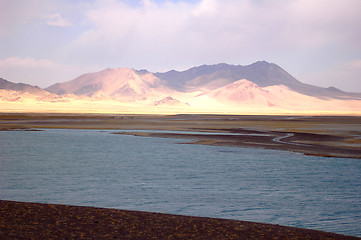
97	168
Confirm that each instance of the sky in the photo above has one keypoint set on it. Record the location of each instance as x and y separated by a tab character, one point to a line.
43	42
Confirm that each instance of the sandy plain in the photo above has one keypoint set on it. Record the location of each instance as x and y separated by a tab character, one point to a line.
329	136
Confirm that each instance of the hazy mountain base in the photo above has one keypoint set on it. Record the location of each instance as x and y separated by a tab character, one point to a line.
16	102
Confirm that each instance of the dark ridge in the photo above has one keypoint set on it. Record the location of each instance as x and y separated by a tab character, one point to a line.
21	87
177	79
262	73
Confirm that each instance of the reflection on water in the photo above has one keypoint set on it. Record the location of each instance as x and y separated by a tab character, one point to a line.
96	168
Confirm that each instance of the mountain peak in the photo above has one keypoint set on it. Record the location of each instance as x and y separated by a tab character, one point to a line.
118	69
263	63
332	88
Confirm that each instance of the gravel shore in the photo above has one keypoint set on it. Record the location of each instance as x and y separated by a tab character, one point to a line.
19	220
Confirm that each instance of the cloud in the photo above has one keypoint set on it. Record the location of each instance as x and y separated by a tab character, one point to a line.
57	20
208	31
40	72
29	70
343	75
302	36
126	33
349	75
352	65
206	7
15	14
25	62
319	22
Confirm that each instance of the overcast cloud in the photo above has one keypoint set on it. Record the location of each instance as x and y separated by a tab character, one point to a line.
317	41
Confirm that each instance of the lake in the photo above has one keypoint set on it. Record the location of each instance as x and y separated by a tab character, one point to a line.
97	168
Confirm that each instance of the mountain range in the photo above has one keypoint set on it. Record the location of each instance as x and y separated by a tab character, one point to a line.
220	88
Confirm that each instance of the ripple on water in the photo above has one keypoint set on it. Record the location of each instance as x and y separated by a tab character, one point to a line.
96	168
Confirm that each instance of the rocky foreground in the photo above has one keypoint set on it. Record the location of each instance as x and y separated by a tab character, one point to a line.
19	220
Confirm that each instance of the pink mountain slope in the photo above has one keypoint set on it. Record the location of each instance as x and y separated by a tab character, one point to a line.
243	92
119	83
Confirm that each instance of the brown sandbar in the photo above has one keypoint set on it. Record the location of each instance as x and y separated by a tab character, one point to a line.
330	136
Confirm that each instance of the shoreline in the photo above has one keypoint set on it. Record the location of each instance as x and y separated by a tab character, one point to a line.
328	136
265	139
43	221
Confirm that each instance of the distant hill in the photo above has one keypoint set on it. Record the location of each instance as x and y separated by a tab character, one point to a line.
119	83
20	87
20	92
